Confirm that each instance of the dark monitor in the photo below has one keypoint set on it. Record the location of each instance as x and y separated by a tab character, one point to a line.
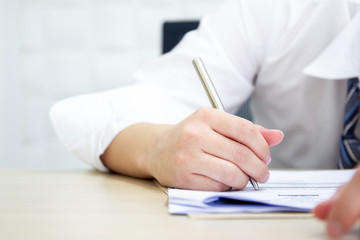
173	32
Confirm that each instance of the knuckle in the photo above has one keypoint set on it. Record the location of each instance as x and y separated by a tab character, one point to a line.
232	176
240	154
250	130
236	179
261	149
189	132
204	113
224	174
239	180
242	184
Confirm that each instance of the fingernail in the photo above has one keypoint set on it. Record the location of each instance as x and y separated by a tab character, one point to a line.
282	133
266	178
335	229
267	160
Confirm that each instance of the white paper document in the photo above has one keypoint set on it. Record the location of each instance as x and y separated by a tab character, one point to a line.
286	191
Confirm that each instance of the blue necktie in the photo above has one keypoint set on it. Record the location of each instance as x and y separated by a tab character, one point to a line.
349	143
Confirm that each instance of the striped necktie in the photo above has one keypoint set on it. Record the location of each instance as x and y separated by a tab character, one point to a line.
349	143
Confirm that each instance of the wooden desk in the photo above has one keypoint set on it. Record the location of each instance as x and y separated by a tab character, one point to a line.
45	204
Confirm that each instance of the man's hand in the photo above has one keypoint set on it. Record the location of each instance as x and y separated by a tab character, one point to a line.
209	150
343	209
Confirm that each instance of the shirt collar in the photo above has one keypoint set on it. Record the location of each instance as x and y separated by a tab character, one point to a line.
341	58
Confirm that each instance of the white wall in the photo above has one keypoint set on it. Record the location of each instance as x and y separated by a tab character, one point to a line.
52	49
10	85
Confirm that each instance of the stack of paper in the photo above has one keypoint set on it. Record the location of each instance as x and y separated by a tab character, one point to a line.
286	191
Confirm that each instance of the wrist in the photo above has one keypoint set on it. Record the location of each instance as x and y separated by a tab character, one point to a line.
152	159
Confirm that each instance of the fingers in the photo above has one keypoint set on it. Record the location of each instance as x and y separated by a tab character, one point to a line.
221	171
242	131
346	208
321	211
343	209
238	155
240	142
212	150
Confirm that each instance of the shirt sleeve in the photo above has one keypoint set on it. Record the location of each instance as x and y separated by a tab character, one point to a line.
168	89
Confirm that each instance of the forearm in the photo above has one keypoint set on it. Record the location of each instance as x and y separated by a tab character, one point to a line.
130	151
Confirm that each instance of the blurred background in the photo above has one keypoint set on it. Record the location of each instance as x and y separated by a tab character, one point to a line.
53	49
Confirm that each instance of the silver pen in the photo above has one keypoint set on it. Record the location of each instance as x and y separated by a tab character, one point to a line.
213	96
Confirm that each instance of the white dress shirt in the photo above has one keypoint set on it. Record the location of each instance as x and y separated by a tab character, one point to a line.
290	56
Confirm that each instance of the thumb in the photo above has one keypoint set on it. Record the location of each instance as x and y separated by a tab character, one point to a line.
272	136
